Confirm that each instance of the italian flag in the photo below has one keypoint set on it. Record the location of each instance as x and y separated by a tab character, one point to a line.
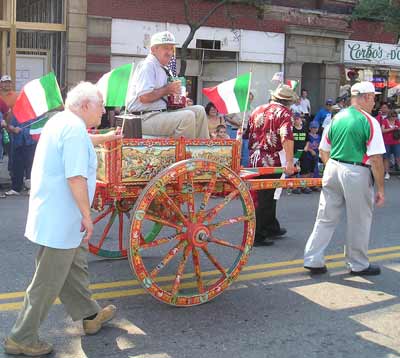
292	84
37	97
230	96
37	126
114	85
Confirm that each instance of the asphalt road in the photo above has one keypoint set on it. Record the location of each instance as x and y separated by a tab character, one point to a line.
274	309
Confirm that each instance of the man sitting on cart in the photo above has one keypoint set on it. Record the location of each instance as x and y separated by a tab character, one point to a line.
148	89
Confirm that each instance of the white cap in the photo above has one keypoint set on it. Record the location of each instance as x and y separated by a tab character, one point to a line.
162	38
363	87
5	78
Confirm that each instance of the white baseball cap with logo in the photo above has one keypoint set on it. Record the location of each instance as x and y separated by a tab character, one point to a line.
363	87
162	38
5	78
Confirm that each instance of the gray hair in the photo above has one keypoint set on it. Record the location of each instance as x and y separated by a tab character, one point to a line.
82	92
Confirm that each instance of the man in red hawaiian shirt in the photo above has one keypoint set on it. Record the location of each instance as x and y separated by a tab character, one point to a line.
271	145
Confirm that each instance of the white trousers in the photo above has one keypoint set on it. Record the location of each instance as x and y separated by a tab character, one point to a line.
344	187
188	122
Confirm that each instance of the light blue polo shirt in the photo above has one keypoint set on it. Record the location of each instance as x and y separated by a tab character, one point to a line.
64	151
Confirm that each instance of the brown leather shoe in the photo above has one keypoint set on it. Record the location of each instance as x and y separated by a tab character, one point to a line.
92	326
38	349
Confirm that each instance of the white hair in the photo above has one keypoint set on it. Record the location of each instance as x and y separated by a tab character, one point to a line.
82	92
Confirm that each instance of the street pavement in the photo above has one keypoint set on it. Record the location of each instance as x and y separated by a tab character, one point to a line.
275	309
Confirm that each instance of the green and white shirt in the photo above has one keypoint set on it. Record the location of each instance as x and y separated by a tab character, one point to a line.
353	136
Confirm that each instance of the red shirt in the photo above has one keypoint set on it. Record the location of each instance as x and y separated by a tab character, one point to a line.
268	125
388	136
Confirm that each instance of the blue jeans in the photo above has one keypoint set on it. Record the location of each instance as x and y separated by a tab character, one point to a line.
22	165
392	149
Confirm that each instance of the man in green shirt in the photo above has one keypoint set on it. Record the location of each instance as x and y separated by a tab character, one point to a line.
351	147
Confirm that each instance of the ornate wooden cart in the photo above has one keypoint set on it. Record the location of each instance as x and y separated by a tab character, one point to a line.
181	211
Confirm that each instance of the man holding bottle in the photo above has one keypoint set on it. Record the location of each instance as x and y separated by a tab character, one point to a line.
151	84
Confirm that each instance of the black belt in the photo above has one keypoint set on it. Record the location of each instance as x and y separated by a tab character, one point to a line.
139	113
352	163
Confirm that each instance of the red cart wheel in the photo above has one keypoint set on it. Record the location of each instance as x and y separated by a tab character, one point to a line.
205	237
104	240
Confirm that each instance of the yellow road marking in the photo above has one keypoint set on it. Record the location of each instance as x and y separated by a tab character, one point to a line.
243	277
117	284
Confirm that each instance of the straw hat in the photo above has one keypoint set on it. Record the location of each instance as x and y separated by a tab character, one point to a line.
284	92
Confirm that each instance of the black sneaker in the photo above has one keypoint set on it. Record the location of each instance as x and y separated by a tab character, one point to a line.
263	243
274	235
316	270
371	270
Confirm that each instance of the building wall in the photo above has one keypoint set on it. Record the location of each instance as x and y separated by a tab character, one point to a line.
76	41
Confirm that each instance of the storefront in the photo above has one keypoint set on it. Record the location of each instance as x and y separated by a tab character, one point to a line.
375	62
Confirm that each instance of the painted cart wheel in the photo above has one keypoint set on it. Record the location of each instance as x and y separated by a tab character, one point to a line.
110	228
205	237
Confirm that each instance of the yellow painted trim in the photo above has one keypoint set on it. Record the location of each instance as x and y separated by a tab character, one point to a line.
40	26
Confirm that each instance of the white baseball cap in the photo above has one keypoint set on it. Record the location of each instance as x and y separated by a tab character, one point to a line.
363	87
162	38
5	78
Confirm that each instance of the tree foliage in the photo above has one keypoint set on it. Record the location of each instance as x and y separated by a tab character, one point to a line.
386	11
195	22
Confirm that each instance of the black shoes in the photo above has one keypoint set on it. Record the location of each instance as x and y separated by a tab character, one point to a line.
274	235
317	270
264	242
371	270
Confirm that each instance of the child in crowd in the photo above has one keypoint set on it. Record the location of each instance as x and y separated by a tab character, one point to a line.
314	139
300	136
220	132
214	119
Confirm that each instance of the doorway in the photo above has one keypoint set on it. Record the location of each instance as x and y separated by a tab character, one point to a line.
311	81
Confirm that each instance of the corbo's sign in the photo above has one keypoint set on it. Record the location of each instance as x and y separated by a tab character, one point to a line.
371	53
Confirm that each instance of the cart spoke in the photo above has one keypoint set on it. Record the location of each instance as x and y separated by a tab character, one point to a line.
190	196
107	228
231	221
197	270
152	216
121	230
161	241
173	206
224	243
211	214
209	190
179	272
168	257
103	215
214	261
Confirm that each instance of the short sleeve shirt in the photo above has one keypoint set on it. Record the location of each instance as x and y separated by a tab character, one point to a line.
64	151
269	126
388	136
148	76
354	136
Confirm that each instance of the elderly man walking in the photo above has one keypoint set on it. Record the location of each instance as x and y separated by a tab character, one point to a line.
352	148
62	188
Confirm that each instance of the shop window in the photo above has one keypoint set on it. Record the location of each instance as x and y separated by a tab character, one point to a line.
44	11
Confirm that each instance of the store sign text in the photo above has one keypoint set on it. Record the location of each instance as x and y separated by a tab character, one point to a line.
372	53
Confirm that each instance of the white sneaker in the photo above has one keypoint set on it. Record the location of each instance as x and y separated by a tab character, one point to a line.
12	192
387	176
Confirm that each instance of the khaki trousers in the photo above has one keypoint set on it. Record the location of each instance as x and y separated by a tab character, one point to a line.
188	122
59	273
345	188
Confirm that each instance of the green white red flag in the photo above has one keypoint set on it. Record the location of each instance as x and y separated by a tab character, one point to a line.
230	96
36	127
292	84
37	97
114	85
